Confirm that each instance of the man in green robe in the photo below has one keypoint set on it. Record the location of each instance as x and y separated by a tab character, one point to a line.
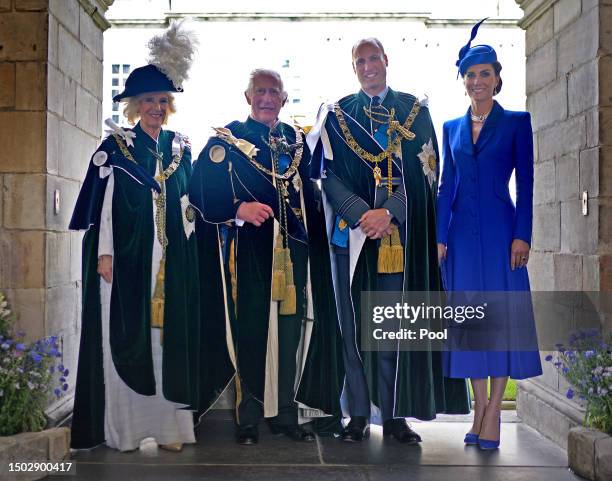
252	182
376	154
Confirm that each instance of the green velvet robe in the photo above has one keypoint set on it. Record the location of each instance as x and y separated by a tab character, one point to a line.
421	389
215	189
130	330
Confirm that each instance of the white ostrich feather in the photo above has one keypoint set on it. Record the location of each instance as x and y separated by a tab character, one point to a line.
173	51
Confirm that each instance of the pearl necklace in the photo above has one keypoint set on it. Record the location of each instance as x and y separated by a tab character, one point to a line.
480	118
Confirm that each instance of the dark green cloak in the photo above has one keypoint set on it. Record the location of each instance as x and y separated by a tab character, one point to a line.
421	389
130	332
217	191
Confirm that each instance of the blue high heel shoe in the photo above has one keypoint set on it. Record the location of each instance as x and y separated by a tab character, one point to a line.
488	444
471	438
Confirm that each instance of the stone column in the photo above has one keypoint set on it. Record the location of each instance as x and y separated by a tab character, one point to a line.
569	94
50	122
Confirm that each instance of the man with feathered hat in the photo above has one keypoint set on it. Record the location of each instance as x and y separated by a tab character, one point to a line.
138	371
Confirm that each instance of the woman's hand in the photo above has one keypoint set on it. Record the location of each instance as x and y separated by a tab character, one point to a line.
441	253
254	213
519	254
105	267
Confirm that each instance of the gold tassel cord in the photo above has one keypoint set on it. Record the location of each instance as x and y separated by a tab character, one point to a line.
391	254
157	302
397	251
279	280
288	304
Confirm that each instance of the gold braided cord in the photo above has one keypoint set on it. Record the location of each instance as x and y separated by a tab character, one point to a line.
394	141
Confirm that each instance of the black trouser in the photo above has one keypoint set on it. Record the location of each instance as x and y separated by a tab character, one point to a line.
250	410
355	385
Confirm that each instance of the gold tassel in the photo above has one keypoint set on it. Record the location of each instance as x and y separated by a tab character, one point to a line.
279	280
391	254
384	255
397	252
157	303
288	304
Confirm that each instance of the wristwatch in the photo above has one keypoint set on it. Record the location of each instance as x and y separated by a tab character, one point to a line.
389	213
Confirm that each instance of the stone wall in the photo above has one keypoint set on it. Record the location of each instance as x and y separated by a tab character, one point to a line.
569	94
50	121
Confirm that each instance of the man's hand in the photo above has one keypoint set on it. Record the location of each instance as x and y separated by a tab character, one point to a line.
254	213
105	267
376	223
519	254
441	253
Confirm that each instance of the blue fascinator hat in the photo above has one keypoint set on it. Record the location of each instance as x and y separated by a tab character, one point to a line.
478	54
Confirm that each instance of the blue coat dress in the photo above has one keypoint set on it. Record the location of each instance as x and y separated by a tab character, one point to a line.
478	221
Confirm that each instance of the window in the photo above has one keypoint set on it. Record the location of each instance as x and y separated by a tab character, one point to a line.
115	68
115	118
115	82
126	69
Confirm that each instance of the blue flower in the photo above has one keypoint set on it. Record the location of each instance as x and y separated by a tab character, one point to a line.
65	387
66	372
20	347
570	394
20	334
51	369
548	358
61	367
36	357
565	370
62	379
5	345
57	392
588	354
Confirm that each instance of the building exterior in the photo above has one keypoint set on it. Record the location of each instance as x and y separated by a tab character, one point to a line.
311	47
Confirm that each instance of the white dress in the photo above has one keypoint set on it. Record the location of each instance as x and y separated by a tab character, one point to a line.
130	417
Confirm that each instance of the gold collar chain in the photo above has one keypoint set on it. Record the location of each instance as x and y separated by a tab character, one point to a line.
295	163
394	142
163	175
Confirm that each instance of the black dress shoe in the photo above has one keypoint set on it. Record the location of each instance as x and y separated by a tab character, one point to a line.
247	435
293	431
401	431
356	430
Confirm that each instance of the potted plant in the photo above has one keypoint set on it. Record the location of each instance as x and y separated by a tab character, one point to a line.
29	372
586	363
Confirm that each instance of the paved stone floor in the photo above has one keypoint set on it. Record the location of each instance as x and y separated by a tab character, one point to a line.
524	455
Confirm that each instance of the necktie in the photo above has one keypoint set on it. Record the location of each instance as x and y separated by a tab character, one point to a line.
378	129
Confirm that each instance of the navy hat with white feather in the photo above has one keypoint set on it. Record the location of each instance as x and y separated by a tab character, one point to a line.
170	57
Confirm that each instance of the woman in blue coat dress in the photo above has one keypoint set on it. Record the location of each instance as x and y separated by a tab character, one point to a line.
483	238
